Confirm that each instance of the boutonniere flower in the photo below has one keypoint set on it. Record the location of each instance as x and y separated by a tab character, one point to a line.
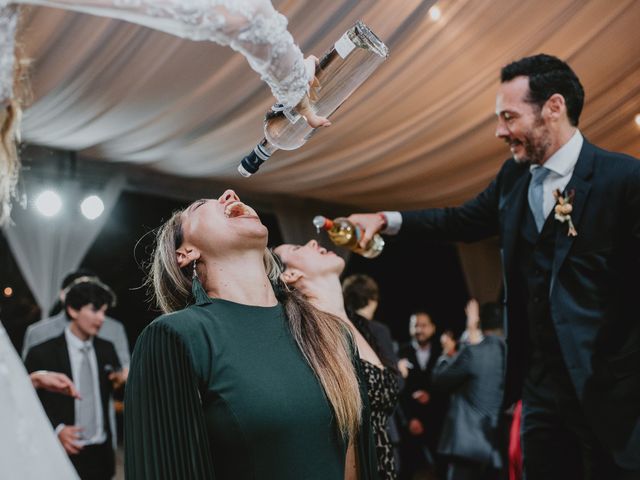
563	209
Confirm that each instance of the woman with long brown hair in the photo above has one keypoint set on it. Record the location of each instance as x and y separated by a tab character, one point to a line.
315	272
239	380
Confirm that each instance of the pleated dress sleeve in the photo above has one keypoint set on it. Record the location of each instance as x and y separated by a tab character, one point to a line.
165	432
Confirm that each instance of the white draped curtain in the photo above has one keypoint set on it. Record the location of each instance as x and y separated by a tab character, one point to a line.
418	133
48	248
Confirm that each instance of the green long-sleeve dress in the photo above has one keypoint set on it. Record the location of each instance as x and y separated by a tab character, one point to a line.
220	391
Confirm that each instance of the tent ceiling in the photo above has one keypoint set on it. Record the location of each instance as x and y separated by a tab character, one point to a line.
420	132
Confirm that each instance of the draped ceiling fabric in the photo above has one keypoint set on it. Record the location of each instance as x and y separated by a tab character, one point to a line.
419	132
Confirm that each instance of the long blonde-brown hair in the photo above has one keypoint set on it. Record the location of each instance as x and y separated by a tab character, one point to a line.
321	337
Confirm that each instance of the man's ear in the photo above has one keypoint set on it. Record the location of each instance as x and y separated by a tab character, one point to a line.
187	255
72	313
556	105
290	276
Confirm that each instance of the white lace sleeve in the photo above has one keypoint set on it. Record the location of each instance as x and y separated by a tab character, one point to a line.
251	27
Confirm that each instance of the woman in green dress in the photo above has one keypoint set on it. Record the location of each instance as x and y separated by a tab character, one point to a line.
247	381
315	272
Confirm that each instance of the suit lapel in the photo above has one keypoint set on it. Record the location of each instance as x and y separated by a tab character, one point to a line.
512	206
64	366
580	183
62	350
103	360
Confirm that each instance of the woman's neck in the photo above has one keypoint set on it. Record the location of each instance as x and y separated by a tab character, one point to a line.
240	278
324	293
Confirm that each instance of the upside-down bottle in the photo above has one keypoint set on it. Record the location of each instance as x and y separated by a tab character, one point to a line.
351	60
344	233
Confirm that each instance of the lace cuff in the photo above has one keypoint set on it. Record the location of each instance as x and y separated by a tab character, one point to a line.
8	22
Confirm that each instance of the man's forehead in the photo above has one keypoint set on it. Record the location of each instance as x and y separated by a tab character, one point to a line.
511	94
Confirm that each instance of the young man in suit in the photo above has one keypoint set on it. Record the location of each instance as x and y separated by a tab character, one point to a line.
82	424
571	275
112	330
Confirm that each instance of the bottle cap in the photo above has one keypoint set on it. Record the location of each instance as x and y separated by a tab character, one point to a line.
243	171
321	222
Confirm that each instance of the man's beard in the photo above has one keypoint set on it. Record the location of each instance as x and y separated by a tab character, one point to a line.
535	145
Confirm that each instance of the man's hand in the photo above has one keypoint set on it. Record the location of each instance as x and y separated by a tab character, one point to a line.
421	396
119	378
68	437
370	224
473	315
415	427
404	365
54	382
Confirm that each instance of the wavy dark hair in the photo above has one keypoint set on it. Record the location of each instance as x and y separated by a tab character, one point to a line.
358	290
548	75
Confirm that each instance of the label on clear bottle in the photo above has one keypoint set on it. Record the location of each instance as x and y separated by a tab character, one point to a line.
344	46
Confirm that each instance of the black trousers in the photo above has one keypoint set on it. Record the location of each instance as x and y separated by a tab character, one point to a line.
557	440
95	462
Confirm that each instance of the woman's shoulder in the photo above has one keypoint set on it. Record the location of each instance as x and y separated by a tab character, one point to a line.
187	324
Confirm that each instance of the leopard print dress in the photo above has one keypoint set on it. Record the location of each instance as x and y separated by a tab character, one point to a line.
382	387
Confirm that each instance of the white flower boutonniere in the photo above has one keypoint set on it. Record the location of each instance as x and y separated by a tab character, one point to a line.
563	209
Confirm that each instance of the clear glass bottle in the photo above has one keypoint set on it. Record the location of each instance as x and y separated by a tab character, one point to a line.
345	234
351	60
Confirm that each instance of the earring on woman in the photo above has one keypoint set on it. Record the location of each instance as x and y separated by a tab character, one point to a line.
195	273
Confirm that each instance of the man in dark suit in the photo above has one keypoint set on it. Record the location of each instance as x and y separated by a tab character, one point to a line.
82	424
475	379
422	410
571	275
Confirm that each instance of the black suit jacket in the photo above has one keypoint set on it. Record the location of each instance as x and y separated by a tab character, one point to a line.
53	355
594	287
474	377
432	414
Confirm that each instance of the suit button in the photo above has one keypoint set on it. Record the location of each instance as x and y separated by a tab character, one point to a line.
536	299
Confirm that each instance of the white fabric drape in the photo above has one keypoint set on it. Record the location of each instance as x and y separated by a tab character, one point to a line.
29	450
419	132
46	249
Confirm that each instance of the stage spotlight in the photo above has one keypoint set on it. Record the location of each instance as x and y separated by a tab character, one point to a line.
8	292
435	13
48	203
92	207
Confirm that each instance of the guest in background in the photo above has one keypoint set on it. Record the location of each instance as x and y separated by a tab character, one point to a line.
112	330
423	409
361	299
315	273
475	379
82	423
239	381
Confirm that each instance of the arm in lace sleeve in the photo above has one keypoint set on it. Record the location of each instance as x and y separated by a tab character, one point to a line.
252	27
165	433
